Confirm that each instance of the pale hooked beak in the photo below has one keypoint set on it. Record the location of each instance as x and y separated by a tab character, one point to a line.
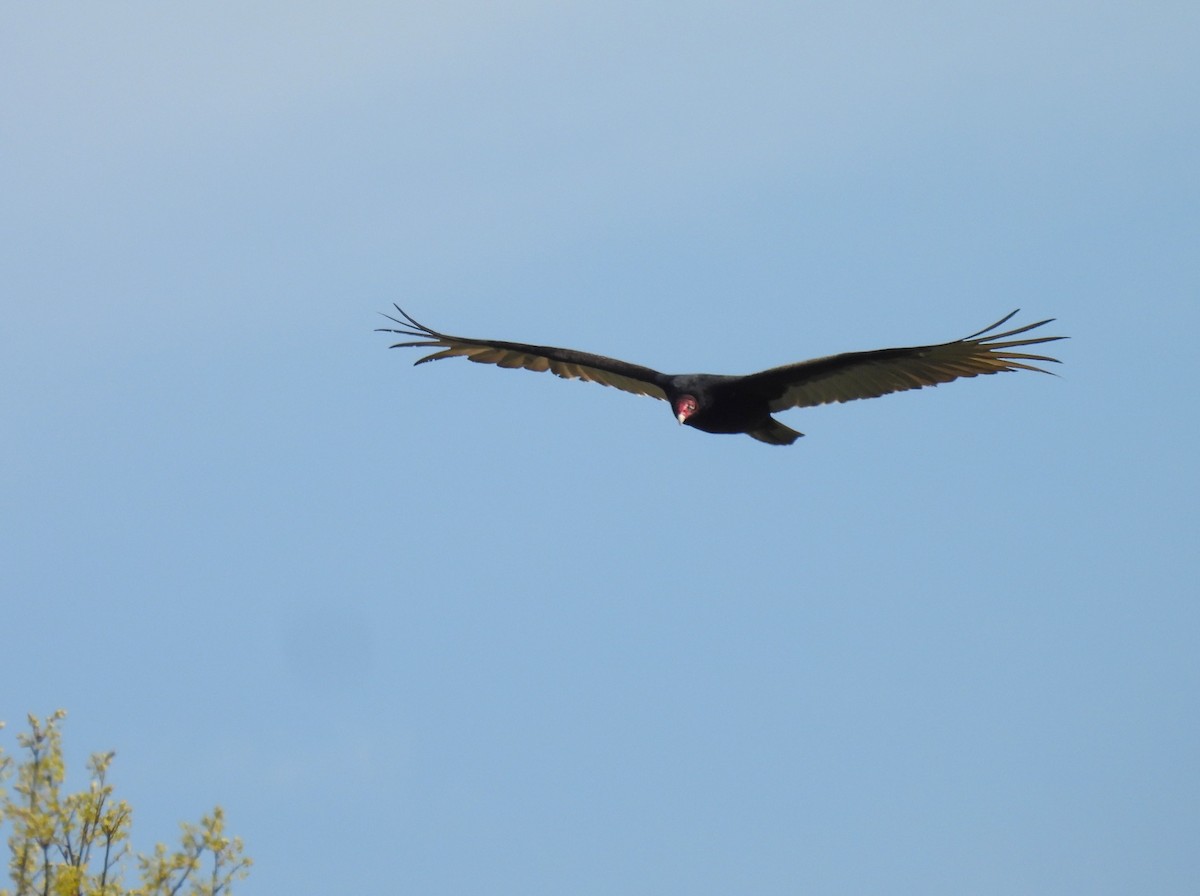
681	416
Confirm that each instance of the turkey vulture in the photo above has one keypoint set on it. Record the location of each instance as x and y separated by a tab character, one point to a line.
735	404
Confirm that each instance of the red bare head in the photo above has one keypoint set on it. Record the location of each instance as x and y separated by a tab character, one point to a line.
685	406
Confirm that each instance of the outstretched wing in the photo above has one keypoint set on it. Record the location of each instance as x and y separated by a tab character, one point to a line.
854	375
563	362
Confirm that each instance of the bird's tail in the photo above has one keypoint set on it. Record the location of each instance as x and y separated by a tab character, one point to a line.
774	433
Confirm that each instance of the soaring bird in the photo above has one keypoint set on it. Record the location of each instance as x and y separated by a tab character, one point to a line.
744	404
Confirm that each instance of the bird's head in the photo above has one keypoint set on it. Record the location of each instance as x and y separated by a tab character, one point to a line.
685	406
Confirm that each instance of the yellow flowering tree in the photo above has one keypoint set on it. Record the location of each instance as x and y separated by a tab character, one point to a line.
77	844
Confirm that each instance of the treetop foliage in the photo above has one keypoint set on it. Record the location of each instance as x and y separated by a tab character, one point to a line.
77	844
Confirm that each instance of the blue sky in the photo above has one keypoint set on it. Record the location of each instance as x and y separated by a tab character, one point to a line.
455	629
